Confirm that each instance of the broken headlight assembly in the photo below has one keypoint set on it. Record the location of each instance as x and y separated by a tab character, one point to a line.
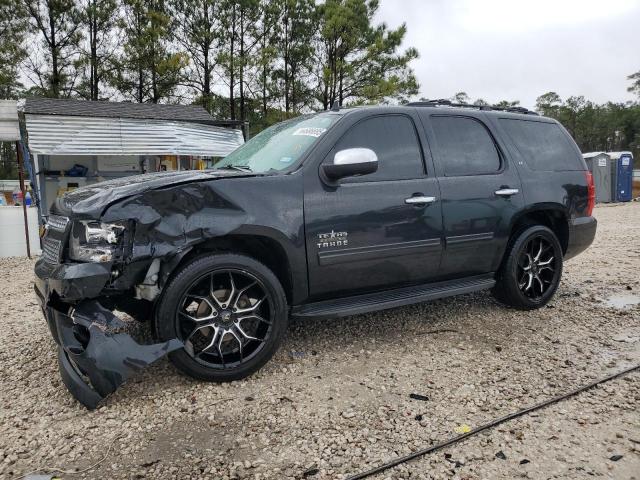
95	242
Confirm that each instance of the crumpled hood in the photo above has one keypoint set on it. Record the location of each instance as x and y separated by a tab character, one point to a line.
90	201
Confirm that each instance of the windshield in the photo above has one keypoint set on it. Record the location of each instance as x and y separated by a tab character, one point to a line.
279	146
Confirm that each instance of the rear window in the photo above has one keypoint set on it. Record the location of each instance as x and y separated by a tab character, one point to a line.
544	146
465	146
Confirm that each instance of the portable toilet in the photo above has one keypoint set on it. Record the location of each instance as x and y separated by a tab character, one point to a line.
622	176
599	164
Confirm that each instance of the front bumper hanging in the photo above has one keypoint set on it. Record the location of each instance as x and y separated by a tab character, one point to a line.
95	353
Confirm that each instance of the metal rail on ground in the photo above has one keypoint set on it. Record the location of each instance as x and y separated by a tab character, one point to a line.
489	425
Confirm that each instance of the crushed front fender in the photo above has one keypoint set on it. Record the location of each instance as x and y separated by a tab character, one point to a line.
96	354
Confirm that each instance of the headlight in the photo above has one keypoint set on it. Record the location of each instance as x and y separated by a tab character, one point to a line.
95	242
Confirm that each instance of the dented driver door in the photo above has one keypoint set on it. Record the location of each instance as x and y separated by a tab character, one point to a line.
383	229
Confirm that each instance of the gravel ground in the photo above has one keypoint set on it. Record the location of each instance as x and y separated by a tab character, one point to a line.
336	399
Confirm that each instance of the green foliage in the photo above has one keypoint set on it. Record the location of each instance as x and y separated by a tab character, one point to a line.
635	86
507	104
52	64
358	61
95	63
607	127
13	26
148	70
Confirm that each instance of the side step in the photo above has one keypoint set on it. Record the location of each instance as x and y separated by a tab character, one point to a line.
399	297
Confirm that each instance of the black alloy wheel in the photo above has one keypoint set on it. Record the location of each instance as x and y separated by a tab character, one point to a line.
536	267
229	310
531	269
224	318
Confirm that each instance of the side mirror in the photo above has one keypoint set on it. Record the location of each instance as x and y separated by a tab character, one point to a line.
351	162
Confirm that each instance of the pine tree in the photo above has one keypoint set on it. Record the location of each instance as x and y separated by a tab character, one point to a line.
52	68
148	69
99	18
197	32
359	62
295	42
13	27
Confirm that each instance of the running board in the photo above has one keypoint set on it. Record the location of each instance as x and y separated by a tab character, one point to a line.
371	302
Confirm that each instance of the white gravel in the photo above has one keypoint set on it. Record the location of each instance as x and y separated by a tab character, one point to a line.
335	400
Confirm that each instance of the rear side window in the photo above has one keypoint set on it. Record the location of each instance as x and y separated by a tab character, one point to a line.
394	139
465	146
544	146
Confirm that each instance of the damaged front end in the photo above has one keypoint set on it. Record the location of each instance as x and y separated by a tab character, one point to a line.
112	247
96	353
86	273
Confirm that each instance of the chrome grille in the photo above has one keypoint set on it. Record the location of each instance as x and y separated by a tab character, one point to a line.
51	250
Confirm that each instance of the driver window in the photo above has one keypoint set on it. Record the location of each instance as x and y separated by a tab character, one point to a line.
394	139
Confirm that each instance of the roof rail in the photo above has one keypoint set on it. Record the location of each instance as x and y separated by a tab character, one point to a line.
448	103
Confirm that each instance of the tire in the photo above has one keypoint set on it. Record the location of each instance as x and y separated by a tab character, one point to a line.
524	282
193	309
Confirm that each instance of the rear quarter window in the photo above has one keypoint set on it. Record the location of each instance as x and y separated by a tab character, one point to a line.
543	146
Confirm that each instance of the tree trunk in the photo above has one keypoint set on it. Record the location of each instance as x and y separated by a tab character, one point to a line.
286	62
264	77
55	74
242	60
232	103
93	60
206	86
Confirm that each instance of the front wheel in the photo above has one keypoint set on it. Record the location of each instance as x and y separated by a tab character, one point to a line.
230	312
531	271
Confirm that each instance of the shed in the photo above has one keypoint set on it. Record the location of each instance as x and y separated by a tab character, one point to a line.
622	176
75	142
599	164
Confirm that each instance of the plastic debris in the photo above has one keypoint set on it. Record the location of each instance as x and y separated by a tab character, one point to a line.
615	458
417	396
310	472
464	428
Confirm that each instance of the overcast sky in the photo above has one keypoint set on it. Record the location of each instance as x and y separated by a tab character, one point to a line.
520	49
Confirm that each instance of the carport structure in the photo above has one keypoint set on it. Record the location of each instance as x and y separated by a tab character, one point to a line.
75	143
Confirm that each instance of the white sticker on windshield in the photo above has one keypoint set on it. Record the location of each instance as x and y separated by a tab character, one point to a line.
310	131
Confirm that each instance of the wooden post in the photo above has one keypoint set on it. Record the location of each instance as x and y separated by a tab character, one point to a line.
24	196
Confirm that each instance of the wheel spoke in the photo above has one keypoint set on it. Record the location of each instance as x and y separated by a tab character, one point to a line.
212	342
252	308
546	262
211	293
197	329
540	283
243	333
526	267
241	292
539	254
529	282
233	332
232	292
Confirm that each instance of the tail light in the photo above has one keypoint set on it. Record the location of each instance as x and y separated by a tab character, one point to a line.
591	193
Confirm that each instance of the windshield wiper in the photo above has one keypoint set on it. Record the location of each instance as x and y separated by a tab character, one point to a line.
242	168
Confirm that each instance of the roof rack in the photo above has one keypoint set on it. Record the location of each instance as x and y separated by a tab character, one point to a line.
448	103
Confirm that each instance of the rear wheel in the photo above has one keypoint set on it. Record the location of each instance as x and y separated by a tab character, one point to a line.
531	271
230	312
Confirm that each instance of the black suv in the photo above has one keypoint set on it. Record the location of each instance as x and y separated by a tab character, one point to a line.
336	213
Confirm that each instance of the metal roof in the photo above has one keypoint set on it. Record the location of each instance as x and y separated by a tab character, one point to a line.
593	154
617	155
9	126
148	111
73	135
